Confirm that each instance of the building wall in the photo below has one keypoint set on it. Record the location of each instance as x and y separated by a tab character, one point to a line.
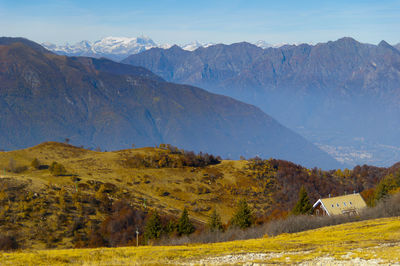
319	211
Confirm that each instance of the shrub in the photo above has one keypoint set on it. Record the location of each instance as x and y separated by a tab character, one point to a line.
8	242
35	163
57	169
216	236
173	158
119	227
20	169
12	167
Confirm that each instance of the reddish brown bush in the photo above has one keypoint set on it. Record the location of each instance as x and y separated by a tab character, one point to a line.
8	242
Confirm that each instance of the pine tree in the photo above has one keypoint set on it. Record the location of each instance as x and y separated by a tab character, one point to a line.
185	226
243	217
214	224
170	227
386	186
153	226
303	205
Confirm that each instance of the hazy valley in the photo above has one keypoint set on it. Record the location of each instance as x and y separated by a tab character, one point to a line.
333	93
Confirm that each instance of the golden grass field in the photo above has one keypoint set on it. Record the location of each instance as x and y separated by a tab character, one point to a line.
185	185
373	241
168	190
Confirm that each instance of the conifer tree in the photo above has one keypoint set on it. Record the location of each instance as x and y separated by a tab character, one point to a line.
185	226
303	205
243	217
153	226
170	227
387	185
215	224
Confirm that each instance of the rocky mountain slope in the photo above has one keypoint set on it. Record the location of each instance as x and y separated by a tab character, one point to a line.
343	95
100	103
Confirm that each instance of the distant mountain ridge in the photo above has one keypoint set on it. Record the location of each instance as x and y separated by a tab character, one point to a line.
115	48
118	48
98	102
343	95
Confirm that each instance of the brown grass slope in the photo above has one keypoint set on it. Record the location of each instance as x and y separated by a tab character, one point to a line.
35	203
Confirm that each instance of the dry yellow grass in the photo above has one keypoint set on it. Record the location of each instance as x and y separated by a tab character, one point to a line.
375	239
169	190
182	183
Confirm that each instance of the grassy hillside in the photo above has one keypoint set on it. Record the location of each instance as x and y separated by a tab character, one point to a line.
184	184
48	211
374	241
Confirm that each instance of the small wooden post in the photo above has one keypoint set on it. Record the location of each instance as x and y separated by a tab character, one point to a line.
137	237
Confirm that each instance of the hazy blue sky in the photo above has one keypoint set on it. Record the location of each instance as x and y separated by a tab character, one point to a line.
175	21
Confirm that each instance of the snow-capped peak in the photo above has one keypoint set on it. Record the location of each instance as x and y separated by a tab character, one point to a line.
123	45
264	45
116	48
194	45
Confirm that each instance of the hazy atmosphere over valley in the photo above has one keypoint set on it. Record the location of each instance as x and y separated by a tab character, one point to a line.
160	123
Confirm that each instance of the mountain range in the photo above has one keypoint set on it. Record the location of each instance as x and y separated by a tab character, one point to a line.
342	95
115	48
118	48
101	103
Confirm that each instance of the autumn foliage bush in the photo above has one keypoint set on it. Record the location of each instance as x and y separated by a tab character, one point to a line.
57	169
119	228
8	242
173	158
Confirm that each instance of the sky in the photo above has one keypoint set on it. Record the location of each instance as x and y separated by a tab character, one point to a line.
217	21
